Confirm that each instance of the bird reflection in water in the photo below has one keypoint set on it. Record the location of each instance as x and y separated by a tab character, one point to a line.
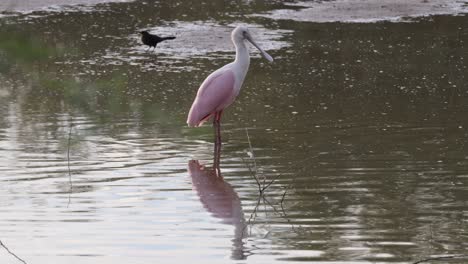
221	200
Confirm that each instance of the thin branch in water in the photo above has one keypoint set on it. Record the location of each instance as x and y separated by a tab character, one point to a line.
254	212
255	171
441	258
11	253
281	214
251	149
255	161
252	173
262	187
68	162
287	169
282	198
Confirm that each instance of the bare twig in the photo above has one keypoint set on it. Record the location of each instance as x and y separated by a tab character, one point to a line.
287	169
282	198
255	162
11	253
251	149
255	171
281	214
262	187
68	162
254	212
441	258
253	174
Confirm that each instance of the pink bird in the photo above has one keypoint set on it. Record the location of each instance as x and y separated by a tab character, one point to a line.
221	87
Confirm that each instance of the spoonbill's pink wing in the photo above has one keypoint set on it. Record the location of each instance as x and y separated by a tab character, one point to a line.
214	94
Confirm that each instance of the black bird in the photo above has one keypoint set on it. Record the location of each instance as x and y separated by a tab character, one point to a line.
152	40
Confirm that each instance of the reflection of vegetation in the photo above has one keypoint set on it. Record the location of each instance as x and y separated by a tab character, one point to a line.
18	48
23	47
24	53
90	96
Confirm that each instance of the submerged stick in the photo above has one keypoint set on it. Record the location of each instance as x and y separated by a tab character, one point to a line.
282	198
263	187
440	258
251	149
68	162
254	173
11	253
253	214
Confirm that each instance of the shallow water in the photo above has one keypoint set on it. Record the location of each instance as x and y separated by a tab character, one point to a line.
357	131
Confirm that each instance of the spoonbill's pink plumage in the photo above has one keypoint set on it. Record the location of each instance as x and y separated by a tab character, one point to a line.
221	87
215	93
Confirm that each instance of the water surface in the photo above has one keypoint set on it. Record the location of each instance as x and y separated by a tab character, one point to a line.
356	135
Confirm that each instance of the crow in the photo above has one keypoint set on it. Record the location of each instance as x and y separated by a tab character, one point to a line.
152	40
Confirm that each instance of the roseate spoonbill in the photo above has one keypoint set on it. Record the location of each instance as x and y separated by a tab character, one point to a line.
152	40
221	87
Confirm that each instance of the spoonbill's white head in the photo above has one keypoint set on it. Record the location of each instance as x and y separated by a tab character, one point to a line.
241	33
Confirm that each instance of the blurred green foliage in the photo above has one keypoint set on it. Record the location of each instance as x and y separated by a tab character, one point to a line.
21	49
91	96
27	54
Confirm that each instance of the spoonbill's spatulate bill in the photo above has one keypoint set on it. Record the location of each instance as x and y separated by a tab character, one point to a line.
222	86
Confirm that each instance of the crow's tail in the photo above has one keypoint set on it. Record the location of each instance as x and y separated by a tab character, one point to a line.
166	38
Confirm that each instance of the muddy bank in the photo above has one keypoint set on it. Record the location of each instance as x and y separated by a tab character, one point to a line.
26	6
365	11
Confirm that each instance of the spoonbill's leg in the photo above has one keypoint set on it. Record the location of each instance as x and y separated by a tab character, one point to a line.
217	154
